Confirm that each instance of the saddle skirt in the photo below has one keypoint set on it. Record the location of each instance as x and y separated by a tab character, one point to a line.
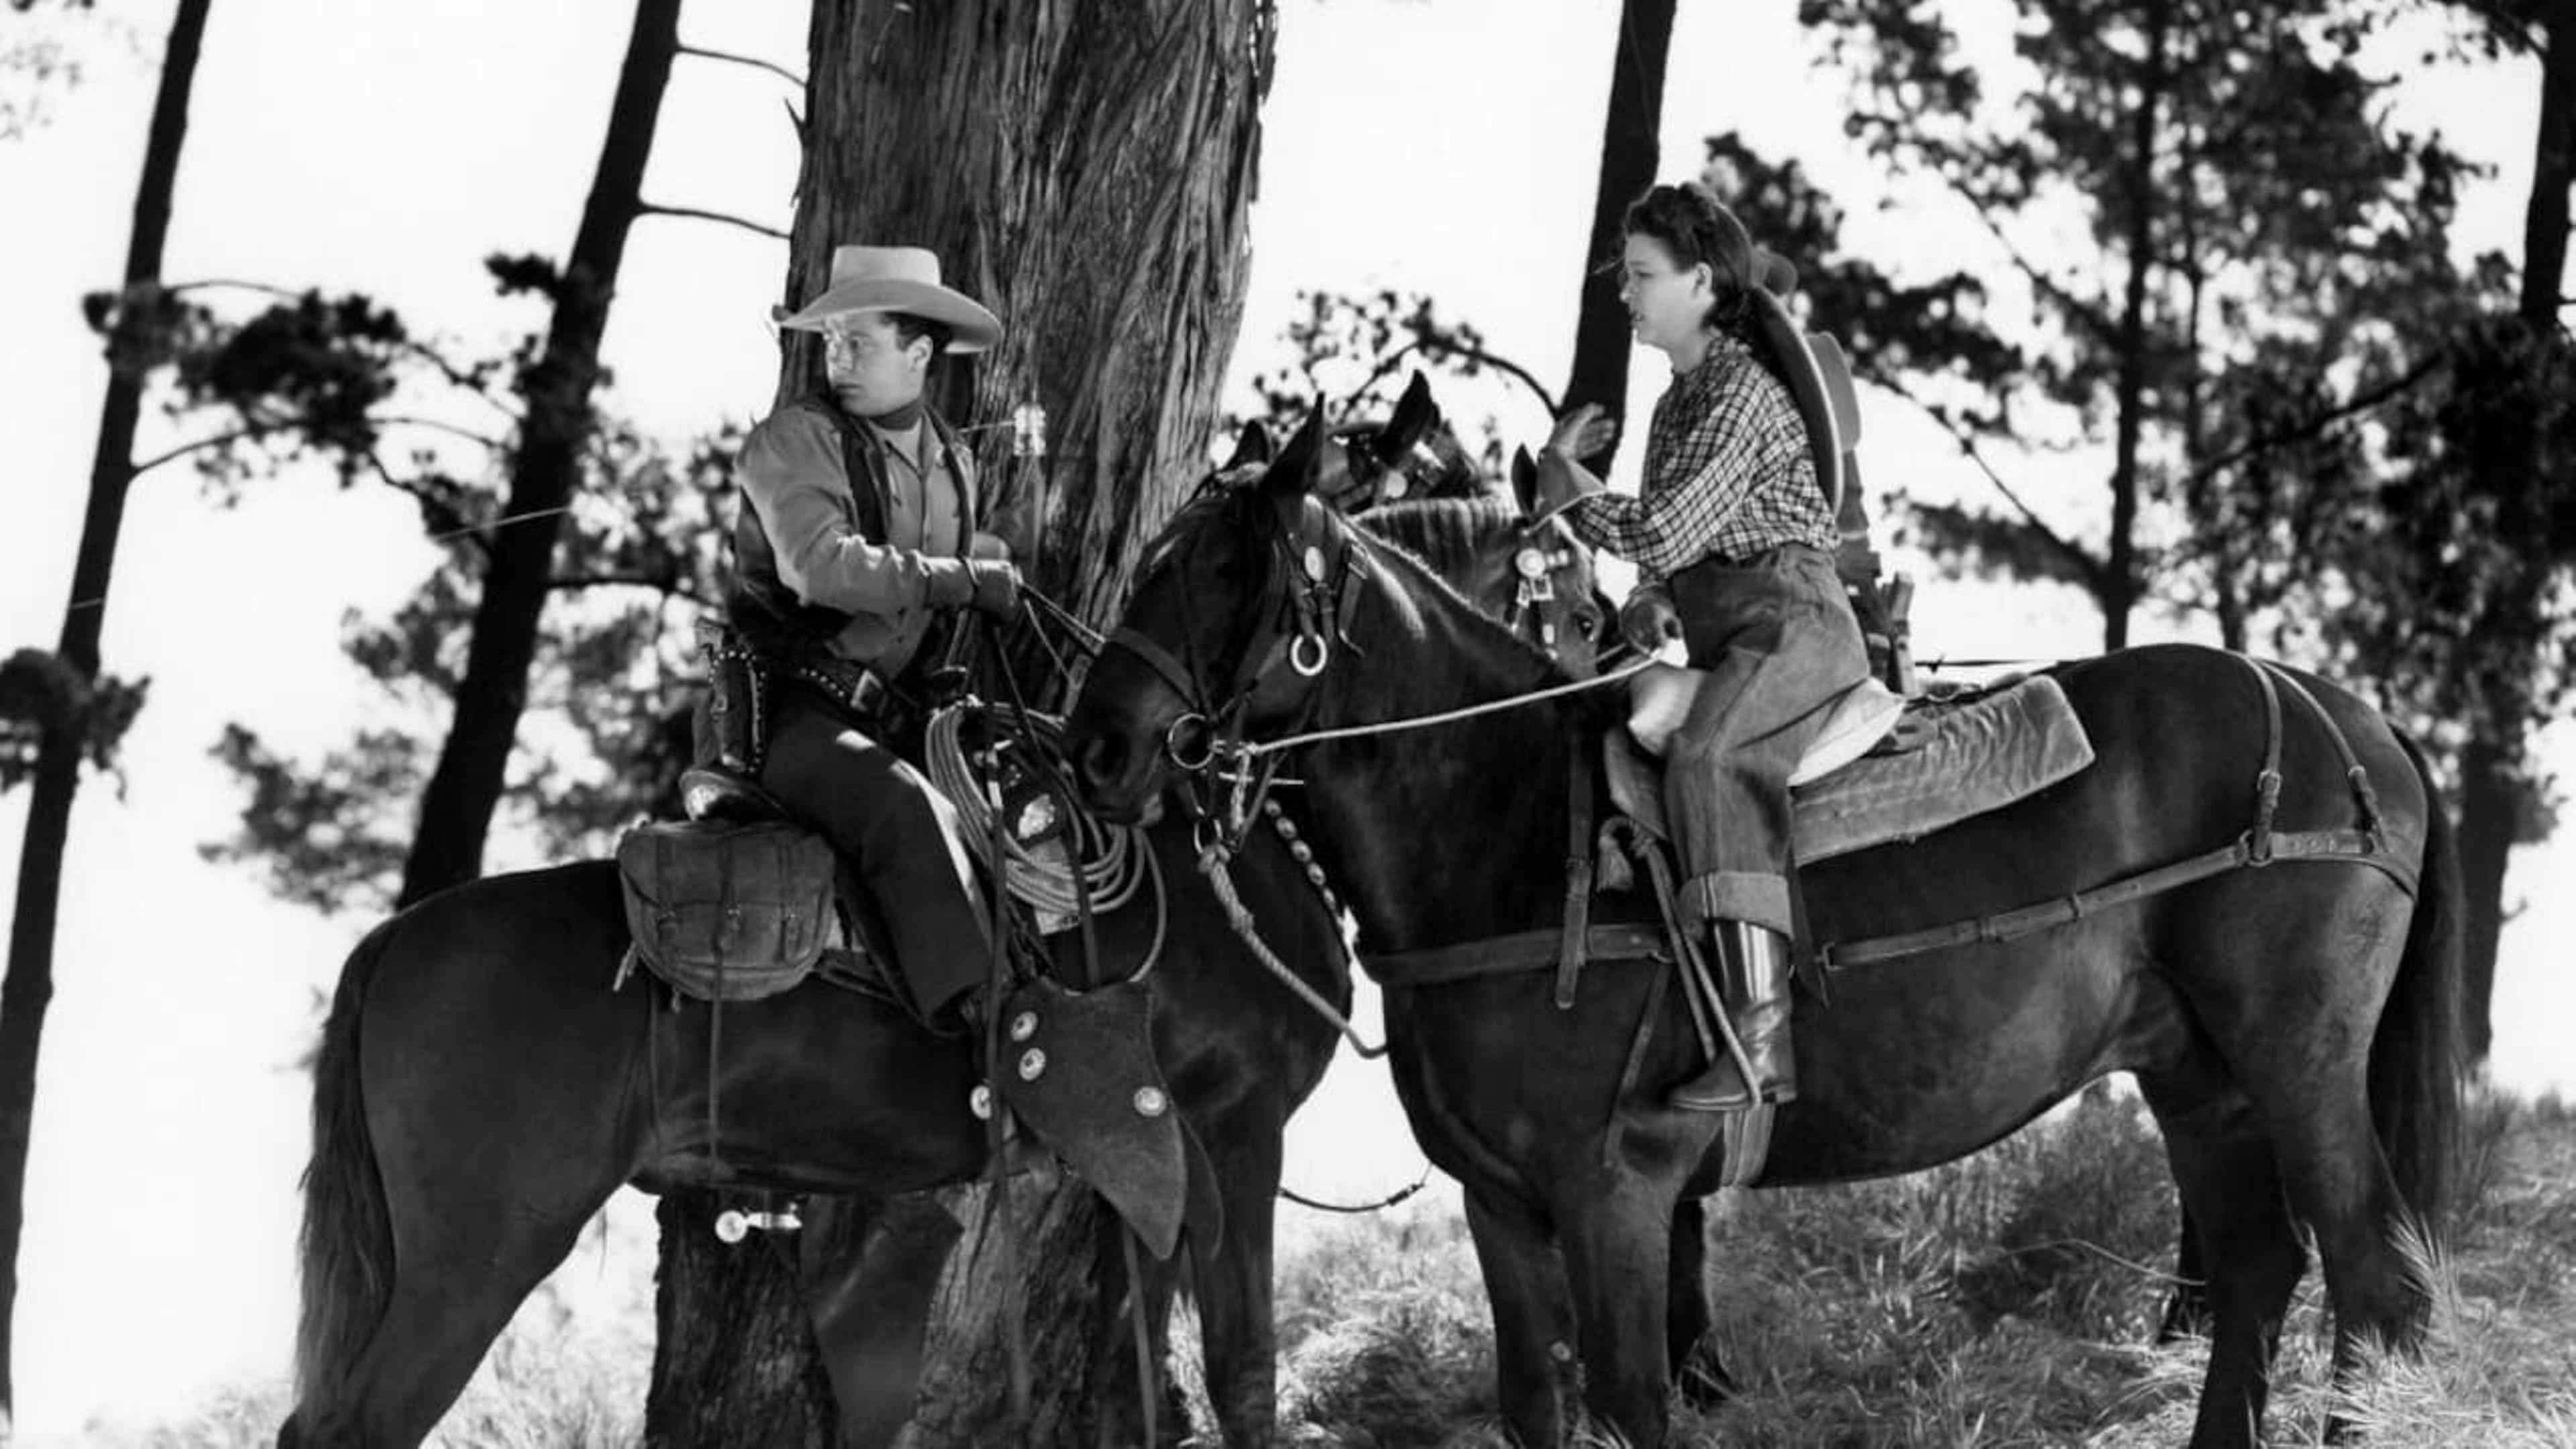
1882	768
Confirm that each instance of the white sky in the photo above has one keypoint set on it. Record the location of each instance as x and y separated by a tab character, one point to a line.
1444	147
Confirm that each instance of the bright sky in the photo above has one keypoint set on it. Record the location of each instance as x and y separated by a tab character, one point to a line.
1444	147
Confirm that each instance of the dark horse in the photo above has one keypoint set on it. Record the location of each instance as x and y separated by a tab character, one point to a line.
480	1092
2294	1028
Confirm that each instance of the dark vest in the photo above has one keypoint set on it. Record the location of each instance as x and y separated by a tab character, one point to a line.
759	605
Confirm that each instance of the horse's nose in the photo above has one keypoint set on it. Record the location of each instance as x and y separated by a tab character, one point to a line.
1099	760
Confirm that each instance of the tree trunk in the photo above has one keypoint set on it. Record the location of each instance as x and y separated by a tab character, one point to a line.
28	987
1631	152
2553	171
2119	581
456	810
731	1361
2491	793
2492	788
1084	170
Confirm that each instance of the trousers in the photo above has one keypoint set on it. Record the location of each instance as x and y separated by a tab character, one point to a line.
898	834
1778	642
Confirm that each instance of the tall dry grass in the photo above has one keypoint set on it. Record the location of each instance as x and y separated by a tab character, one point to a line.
2008	1300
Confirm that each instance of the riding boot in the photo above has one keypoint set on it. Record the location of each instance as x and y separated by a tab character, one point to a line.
1753	978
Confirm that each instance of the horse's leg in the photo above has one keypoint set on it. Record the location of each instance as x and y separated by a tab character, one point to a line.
2231	1187
1618	1239
2310	1092
1533	1314
2187	1313
1234	1287
1688	1314
2340	1185
1114	1389
464	1262
869	1279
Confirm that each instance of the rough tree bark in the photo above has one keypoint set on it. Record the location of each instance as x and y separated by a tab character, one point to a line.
456	809
1631	153
1085	170
28	988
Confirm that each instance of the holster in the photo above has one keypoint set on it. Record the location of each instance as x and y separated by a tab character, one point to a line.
1079	1069
733	732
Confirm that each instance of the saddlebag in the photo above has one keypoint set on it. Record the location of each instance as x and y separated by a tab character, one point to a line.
727	912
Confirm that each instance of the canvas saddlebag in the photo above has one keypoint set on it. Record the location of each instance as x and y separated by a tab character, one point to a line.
728	912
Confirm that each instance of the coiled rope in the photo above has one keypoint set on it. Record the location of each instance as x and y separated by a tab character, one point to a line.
1111	858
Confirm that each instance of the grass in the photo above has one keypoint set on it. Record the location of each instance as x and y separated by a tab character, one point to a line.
2008	1300
552	1381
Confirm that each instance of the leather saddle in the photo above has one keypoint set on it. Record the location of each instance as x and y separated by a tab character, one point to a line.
1881	768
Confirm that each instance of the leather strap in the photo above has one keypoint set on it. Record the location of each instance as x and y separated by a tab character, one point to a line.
1506	955
1578	872
2352	845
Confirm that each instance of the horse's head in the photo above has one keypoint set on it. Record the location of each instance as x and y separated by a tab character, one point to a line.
1532	575
1239	605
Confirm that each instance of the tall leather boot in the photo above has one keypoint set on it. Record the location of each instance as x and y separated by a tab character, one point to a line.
1753	976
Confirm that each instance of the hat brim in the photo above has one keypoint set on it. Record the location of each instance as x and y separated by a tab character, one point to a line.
971	328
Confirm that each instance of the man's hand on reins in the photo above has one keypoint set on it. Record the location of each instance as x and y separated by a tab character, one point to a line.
997	587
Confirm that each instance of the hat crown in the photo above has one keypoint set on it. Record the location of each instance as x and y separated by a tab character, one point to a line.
884	264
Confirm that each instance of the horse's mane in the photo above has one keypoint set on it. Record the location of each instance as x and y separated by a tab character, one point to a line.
1447	533
1455	523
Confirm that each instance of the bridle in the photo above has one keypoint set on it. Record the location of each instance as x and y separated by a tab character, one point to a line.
1308	594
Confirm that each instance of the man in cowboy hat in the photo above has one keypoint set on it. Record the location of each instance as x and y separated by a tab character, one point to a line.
863	531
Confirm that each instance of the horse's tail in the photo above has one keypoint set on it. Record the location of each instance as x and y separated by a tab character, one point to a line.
348	1240
2419	1058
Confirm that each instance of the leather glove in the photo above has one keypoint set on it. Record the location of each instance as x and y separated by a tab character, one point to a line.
997	587
1562	479
1583	432
1648	620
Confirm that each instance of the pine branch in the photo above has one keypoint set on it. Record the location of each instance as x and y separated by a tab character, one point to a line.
669	585
1967	441
756	63
406	420
438	512
1473	353
693	213
218	440
2082	310
2310	427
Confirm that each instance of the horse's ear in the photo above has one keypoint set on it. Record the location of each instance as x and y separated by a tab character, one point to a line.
1294	471
1415	416
1251	447
1525	481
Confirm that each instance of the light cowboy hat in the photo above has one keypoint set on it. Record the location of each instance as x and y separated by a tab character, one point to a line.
896	279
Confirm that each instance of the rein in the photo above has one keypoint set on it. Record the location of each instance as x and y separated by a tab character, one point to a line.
1256	749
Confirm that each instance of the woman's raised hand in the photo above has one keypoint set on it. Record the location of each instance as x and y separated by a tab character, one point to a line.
1583	431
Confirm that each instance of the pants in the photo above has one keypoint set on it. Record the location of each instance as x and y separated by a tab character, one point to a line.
1777	638
896	832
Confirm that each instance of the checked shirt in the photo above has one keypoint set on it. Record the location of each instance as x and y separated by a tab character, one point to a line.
1728	474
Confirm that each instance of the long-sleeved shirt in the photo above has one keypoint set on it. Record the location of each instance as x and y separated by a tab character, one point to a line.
800	495
1728	474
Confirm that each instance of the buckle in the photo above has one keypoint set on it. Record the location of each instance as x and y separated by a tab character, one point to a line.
867	692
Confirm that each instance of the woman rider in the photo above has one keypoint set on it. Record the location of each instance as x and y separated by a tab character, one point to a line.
1734	546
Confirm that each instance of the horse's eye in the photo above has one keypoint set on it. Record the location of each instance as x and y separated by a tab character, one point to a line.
1584	624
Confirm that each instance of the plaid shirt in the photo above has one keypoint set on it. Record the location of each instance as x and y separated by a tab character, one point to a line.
1728	474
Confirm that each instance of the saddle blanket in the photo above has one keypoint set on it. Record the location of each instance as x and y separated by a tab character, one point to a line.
1946	760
